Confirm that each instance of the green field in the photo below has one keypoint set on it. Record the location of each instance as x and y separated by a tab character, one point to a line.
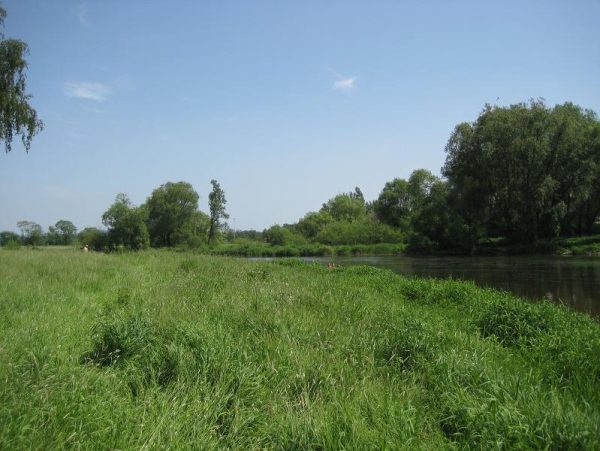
174	350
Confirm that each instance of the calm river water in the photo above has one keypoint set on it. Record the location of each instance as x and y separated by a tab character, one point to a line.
574	281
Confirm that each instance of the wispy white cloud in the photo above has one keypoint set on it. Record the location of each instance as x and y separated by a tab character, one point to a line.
344	84
89	91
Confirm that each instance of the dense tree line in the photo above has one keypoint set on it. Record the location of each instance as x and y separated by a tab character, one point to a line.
527	171
521	173
169	217
344	219
62	233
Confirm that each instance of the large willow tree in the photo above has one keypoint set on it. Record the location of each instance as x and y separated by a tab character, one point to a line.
17	117
527	171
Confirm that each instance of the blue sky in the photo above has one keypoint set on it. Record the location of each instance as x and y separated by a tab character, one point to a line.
286	104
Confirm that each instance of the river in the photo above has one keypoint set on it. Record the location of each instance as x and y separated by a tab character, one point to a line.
574	281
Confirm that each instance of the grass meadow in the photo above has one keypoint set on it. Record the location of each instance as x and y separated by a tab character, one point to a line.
156	350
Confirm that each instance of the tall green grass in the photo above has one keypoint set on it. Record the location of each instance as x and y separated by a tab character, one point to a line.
170	350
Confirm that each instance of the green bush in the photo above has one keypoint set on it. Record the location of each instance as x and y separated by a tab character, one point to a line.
146	353
358	232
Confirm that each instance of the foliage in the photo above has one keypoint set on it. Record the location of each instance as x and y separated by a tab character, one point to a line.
527	171
17	117
366	231
194	232
589	245
400	199
283	236
256	249
173	215
216	204
63	233
31	233
7	236
437	224
126	225
96	239
253	235
346	207
313	222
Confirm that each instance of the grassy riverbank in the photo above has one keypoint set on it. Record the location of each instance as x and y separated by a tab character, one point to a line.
167	350
586	245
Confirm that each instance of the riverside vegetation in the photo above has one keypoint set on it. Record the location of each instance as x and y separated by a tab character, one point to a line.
519	179
160	349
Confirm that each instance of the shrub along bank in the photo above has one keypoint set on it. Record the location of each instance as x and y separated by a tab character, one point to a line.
257	249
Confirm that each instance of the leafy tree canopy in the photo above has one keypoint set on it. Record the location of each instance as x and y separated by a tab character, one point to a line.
95	238
346	206
63	232
31	233
527	171
126	225
401	199
17	117
216	204
171	209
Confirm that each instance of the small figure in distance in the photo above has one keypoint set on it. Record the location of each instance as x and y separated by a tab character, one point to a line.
330	265
86	248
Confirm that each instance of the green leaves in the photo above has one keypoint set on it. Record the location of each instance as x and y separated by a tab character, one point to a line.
172	213
216	204
17	118
527	171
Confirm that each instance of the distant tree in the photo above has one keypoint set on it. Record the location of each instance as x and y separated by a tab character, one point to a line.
216	204
420	184
126	225
194	232
171	209
8	236
439	223
346	207
313	222
394	205
63	232
31	233
16	115
251	235
400	199
357	194
52	237
95	238
283	235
